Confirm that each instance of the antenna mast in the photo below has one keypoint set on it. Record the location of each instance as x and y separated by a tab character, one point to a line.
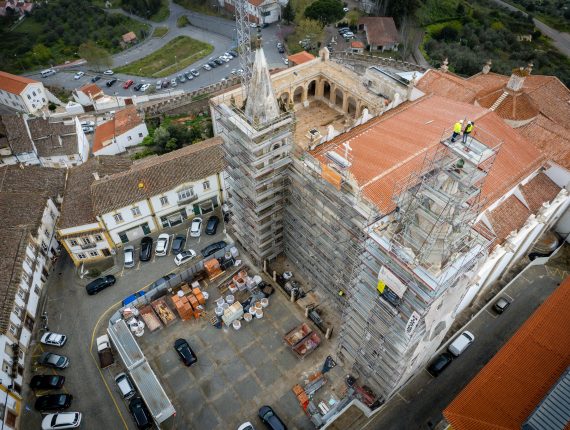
244	42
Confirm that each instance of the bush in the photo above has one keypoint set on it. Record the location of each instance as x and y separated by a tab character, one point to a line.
52	106
325	11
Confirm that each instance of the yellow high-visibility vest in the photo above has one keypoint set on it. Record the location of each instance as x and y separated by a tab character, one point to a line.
457	128
469	128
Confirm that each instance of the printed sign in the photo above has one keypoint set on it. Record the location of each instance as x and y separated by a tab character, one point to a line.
412	324
390	280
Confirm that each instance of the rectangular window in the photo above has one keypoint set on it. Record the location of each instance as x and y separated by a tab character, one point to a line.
118	218
206	185
129	138
136	211
44	246
29	97
34	93
86	240
140	135
46	232
81	256
73	242
37	290
18	311
25	277
186	193
29	261
164	201
22	294
94	253
52	215
98	238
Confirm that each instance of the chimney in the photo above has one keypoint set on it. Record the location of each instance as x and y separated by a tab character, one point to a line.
443	66
487	67
516	80
96	176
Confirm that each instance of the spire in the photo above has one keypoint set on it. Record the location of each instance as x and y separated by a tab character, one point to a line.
261	105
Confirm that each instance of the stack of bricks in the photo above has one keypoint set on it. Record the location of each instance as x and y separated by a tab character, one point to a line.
301	396
188	305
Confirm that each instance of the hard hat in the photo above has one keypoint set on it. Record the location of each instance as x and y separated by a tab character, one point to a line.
461	121
469	122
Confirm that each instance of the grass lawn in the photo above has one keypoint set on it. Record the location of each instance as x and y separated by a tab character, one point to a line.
199	6
160	31
176	55
162	13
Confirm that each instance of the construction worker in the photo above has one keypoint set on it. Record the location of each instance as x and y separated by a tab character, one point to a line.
468	130
457	130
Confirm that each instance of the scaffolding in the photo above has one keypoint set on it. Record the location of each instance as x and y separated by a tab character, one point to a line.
257	156
430	246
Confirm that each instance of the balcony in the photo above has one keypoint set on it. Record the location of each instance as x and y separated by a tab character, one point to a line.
89	245
187	199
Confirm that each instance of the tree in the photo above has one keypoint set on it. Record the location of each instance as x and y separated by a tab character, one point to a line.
352	17
95	55
325	11
310	30
410	36
161	137
288	13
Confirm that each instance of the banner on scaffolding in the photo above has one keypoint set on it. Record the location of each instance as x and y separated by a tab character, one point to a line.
331	176
386	279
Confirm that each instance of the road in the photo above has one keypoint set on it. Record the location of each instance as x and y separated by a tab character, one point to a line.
559	39
419	404
218	32
72	312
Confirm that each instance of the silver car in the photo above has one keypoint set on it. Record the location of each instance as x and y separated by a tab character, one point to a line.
129	256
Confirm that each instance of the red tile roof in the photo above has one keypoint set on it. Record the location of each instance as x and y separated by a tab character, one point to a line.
14	84
509	216
124	120
380	30
389	148
357	44
129	37
538	190
516	106
300	58
103	133
448	85
92	90
508	389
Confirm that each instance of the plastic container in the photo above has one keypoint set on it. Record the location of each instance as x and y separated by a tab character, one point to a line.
236	324
219	311
230	299
264	302
257	279
234	251
225	306
180	293
258	313
220	302
258	306
247	317
206	295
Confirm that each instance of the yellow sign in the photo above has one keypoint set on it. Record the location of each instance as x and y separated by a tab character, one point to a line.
380	287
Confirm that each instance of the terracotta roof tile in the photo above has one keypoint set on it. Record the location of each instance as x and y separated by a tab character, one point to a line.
515	106
448	85
509	216
538	190
552	139
300	58
129	37
103	134
380	30
53	138
158	174
357	44
507	390
17	134
124	120
92	90
14	84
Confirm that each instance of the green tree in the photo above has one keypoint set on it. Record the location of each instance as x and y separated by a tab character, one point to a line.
310	30
326	11
352	17
95	55
288	13
41	54
171	145
161	137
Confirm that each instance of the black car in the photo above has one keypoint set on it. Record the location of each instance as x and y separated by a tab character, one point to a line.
218	61
212	225
212	64
281	50
146	249
214	247
185	352
439	364
100	284
111	82
47	382
140	413
166	84
178	244
501	305
233	53
137	87
161	281
270	419
50	359
95	78
53	402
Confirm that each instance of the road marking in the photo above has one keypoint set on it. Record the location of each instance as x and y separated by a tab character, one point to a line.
403	398
492	314
509	297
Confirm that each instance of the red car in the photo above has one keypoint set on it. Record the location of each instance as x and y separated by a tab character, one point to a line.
127	84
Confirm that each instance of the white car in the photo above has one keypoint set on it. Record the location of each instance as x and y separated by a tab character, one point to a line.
345	9
108	72
286	61
207	67
61	420
88	123
53	339
162	245
79	75
145	87
246	426
196	227
184	257
173	83
129	256
253	25
88	129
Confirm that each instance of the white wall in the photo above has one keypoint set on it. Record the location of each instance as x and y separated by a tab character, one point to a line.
82	142
34	97
129	220
136	135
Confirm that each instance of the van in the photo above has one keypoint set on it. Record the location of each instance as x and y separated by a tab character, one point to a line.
125	386
47	72
461	343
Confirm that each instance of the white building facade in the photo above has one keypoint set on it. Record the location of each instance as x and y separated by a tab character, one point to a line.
22	94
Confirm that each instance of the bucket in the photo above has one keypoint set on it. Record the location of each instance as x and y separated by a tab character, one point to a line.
257	279
264	302
230	299
220	302
258	306
258	313
247	317
236	324
180	293
219	311
206	295
225	306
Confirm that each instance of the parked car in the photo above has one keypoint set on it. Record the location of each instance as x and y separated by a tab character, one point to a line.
281	50
145	87
129	256
53	402
207	67
439	364
212	64
253	25
87	123
47	382
158	85
461	343
137	87
162	245
95	78
146	249
78	75
181	78
184	257
133	297
61	420
501	305
125	386
50	359
271	419
195	72
140	413
165	84
189	76
100	284
286	61
178	244
212	225
128	83
214	247
196	227
246	426
108	72
173	82
233	53
87	129
53	339
345	9
218	61
111	82
161	281
185	352
343	30
279	45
